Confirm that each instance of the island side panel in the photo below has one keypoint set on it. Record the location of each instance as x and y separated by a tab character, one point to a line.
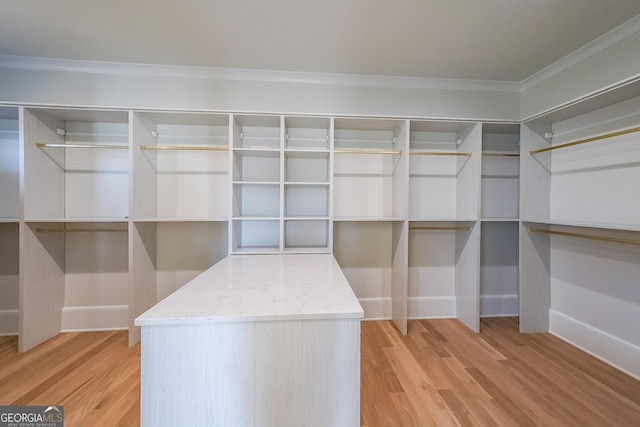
308	373
197	374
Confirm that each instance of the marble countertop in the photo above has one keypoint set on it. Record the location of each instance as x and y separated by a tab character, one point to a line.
260	288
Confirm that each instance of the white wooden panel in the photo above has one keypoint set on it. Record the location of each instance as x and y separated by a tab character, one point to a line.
41	285
9	169
142	274
399	266
468	180
144	166
310	375
44	167
535	174
256	200
534	280
468	277
198	375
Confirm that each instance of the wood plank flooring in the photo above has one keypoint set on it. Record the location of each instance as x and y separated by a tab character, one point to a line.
440	374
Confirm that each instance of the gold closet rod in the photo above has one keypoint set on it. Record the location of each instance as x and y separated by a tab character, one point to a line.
72	230
109	146
439	153
367	152
501	154
182	147
467	228
584	141
588	236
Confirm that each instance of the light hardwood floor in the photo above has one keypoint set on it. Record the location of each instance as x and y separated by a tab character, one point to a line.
439	374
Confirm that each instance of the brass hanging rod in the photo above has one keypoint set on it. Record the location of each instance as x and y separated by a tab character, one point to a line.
501	154
440	153
584	141
183	148
62	145
467	228
588	236
367	152
73	230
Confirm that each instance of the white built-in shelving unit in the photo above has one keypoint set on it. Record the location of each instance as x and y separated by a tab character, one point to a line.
444	232
74	230
580	229
106	212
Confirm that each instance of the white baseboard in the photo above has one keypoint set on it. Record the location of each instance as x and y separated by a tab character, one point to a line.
376	308
95	318
612	350
498	305
431	307
9	320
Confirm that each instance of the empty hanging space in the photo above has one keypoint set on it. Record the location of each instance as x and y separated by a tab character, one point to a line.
369	169
256	194
76	277
444	170
443	271
181	166
307	188
77	164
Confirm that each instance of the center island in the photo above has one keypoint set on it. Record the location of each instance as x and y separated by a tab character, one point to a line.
255	340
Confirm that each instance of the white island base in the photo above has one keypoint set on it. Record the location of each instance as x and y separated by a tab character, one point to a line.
256	340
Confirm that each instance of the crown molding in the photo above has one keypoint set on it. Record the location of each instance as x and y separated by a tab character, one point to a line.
235	74
607	40
603	42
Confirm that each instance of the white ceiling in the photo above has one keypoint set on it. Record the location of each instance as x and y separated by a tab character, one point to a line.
497	40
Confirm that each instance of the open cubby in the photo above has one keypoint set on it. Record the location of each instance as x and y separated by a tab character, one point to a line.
306	235
75	277
76	165
369	169
181	166
307	133
255	236
444	169
499	269
500	171
443	271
